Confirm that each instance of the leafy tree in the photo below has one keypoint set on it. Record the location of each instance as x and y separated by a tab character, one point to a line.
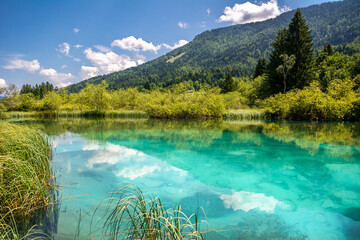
228	84
288	63
260	68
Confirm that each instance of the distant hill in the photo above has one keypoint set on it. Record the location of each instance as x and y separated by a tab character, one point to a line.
236	48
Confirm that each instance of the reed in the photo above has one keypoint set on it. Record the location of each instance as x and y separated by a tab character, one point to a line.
129	214
25	176
75	114
245	114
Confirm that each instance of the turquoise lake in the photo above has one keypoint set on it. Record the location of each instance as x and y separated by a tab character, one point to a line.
254	180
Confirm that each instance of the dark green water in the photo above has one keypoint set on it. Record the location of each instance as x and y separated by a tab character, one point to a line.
255	180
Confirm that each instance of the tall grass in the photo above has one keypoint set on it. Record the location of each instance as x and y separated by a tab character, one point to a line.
129	214
73	114
245	114
25	176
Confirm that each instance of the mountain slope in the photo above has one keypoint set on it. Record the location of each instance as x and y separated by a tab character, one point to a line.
235	49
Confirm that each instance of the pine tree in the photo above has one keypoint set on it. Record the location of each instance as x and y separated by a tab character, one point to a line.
260	68
295	40
228	84
274	81
299	44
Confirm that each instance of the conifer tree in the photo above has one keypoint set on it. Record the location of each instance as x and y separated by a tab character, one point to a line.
260	68
228	84
299	44
295	40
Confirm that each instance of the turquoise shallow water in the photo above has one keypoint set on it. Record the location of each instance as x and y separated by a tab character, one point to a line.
254	180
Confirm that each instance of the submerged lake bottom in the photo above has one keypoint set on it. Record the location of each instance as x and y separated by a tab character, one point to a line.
248	180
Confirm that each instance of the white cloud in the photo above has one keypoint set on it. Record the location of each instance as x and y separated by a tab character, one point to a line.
249	12
78	46
183	25
76	59
134	172
140	59
102	48
89	72
135	44
108	62
64	48
2	83
180	43
30	66
59	78
246	201
76	30
63	66
208	11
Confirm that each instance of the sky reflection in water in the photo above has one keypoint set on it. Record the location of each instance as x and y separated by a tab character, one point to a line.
255	180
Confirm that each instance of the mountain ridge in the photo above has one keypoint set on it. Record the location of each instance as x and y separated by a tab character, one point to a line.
235	48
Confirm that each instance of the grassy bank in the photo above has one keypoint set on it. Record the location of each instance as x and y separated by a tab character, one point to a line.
245	114
74	114
241	114
26	178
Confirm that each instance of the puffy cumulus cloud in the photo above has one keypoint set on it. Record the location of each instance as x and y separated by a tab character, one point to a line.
29	66
60	79
76	30
106	62
183	25
2	83
180	43
102	48
64	48
89	72
249	12
135	44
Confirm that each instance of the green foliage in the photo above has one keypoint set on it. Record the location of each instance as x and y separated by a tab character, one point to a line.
38	90
132	215
260	68
188	105
236	49
25	176
228	84
338	104
296	71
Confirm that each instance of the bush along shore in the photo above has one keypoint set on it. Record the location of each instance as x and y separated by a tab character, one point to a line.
27	185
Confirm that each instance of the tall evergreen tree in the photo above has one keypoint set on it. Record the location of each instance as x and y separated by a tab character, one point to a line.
300	44
295	40
260	68
275	79
228	84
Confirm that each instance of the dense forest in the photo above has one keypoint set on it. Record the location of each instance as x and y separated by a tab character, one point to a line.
235	49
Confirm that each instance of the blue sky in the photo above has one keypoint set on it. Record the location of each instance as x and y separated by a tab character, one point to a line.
65	41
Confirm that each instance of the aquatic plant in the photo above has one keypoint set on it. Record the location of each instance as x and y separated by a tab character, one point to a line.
129	214
25	177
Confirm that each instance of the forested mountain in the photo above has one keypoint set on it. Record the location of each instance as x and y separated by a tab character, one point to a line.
236	49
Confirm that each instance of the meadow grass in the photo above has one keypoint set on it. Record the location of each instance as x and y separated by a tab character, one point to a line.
129	214
26	178
245	114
